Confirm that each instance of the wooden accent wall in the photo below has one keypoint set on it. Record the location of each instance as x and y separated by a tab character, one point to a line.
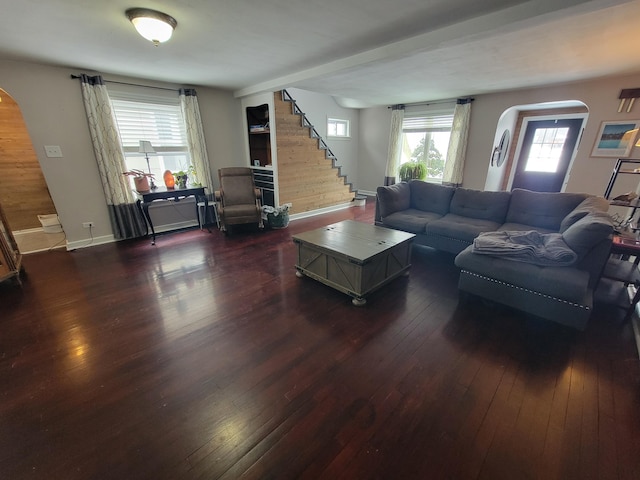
306	178
517	131
23	191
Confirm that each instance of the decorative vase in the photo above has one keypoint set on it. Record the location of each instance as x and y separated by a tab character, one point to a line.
141	184
169	181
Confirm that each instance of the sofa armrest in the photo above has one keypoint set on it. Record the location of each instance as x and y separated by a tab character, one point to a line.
392	198
377	219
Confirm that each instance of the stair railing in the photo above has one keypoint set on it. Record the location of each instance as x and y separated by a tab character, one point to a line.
313	133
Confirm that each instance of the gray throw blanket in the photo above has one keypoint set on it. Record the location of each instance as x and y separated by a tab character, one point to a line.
546	249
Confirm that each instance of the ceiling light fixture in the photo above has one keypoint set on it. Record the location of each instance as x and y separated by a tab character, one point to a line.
157	27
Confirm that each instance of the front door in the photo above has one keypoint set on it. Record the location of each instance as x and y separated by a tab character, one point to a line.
546	153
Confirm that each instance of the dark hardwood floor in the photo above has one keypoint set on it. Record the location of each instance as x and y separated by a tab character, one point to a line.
206	357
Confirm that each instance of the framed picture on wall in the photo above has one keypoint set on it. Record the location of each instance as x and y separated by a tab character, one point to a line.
615	138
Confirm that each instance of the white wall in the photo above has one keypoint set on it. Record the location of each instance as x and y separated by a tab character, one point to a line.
318	107
51	104
495	174
374	147
590	174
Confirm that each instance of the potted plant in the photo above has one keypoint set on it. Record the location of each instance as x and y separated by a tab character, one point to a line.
413	170
140	180
181	179
191	172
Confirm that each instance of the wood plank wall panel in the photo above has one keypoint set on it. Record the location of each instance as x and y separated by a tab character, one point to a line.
306	178
518	130
23	191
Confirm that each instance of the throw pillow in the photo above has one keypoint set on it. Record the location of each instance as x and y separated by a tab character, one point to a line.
587	232
588	205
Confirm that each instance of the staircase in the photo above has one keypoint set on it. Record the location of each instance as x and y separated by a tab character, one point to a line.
308	176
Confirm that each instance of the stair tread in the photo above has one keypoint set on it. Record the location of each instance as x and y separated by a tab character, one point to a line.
316	181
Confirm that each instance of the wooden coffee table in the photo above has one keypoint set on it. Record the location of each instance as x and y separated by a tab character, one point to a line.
353	257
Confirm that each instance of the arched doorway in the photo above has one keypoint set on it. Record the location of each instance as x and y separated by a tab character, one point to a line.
23	190
524	124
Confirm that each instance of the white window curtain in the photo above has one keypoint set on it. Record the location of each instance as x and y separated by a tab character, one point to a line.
454	166
395	144
126	219
195	137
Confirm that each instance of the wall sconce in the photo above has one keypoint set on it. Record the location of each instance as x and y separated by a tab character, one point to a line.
628	93
157	27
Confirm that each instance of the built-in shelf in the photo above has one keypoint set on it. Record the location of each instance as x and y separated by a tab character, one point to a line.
259	135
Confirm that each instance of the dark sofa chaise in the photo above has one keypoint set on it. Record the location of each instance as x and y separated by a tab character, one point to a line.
449	219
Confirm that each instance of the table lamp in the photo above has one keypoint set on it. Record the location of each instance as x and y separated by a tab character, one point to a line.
146	148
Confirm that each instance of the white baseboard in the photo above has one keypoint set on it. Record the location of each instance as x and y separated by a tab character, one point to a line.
312	213
90	242
27	231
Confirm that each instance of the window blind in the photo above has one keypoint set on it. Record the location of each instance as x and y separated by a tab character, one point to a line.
161	124
428	123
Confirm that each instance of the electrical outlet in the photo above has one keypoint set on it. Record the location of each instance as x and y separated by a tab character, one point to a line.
87	224
53	151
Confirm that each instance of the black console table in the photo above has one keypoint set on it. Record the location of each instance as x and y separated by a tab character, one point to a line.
163	193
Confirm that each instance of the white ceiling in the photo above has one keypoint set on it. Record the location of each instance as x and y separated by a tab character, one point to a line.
363	52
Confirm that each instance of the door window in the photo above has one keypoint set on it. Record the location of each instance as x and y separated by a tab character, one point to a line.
546	149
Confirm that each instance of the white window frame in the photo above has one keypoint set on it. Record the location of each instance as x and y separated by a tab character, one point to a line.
169	143
427	119
336	123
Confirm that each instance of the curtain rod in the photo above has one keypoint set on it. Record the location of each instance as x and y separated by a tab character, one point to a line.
132	84
434	102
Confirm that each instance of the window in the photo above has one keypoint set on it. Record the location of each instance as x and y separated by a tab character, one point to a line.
425	138
337	127
546	148
157	119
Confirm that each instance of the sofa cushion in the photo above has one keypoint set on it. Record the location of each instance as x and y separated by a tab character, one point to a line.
459	227
393	198
481	205
588	205
541	209
587	232
410	220
560	282
431	197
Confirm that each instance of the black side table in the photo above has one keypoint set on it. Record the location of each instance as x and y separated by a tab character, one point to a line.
163	193
621	270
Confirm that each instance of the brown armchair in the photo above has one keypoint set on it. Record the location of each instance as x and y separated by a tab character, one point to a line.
238	200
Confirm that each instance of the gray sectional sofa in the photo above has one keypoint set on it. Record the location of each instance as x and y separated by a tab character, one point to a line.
450	219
